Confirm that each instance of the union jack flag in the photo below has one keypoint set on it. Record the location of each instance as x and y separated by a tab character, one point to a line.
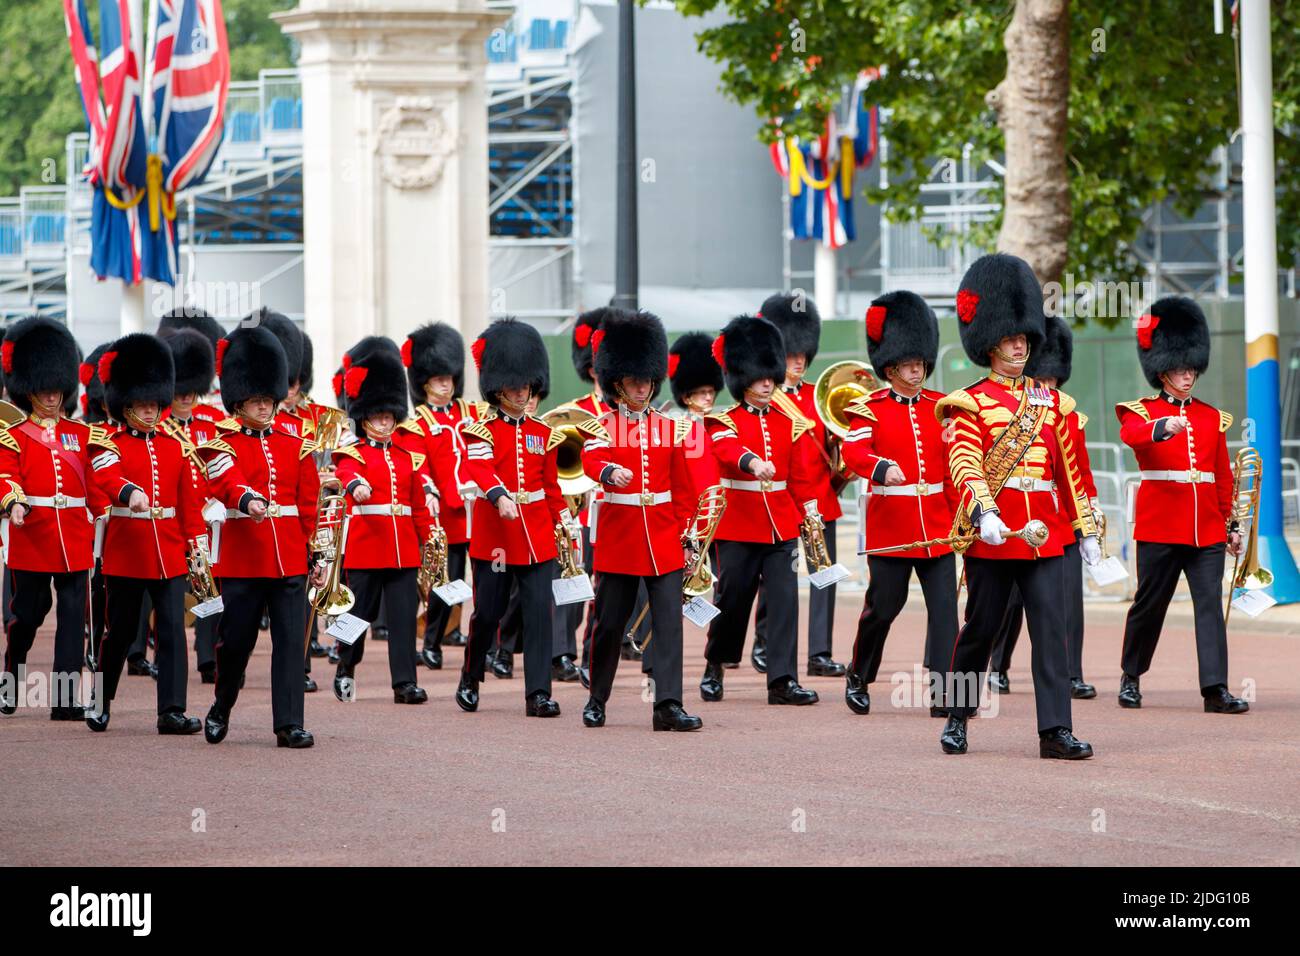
191	76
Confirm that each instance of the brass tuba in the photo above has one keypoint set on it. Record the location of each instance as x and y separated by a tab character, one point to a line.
836	389
1248	473
328	542
574	483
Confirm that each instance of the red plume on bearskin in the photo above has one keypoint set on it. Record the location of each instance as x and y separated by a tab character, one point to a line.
581	335
1146	328
596	338
221	353
337	383
476	350
719	351
406	354
106	367
86	373
673	361
7	357
875	322
966	303
347	361
353	379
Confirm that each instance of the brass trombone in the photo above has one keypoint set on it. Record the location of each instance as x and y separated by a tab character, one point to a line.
1034	534
1247	573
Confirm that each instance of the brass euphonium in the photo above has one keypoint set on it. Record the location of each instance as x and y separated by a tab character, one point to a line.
203	586
1248	473
433	562
328	542
564	552
836	389
574	483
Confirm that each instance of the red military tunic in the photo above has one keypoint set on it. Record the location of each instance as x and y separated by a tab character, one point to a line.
390	527
298	423
199	428
828	503
593	403
153	544
48	467
886	429
434	434
700	459
1045	480
1186	491
514	456
245	463
640	527
761	511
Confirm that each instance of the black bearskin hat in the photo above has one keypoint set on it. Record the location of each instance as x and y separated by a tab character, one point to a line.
749	349
39	355
583	330
691	365
251	362
998	297
629	344
306	377
70	400
796	315
93	409
1173	335
432	350
510	354
377	384
290	337
194	360
137	368
900	327
1053	358
360	351
192	317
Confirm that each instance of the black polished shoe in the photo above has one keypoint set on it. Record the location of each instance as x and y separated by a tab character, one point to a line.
308	684
208	674
345	686
788	691
1218	700
564	670
178	725
75	712
8	697
295	738
332	655
823	666
409	693
584	677
593	715
856	695
141	667
454	639
953	738
431	656
467	694
758	655
998	682
539	705
379	633
316	648
1081	690
216	725
711	682
669	715
97	720
1059	744
1130	696
502	664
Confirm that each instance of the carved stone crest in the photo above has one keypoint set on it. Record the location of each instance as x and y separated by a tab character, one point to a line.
413	143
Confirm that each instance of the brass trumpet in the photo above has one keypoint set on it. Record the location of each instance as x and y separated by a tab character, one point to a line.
1034	534
1247	573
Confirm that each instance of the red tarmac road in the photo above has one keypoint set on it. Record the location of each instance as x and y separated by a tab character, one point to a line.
388	784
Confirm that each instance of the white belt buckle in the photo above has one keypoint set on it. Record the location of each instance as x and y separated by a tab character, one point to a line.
765	485
922	489
60	501
396	508
1193	476
273	510
156	512
647	499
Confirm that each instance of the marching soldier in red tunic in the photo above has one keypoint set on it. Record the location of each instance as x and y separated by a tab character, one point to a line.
696	381
1184	504
895	442
639	457
147	543
1012	460
434	356
389	521
193	423
767	470
206	404
269	484
511	457
95	412
45	482
796	316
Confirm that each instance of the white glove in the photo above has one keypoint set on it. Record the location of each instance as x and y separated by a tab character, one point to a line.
992	529
1090	548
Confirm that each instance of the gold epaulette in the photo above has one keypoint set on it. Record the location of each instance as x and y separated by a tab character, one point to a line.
216	444
417	460
959	399
9	441
412	425
229	424
482	409
861	407
725	418
1083	420
555	439
100	437
425	414
799	422
681	429
1225	421
350	451
463	407
309	447
1065	403
477	430
593	428
1137	408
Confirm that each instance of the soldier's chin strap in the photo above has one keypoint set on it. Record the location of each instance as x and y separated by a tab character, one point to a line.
1013	362
136	422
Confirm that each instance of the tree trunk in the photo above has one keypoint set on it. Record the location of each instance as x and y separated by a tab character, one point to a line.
1032	103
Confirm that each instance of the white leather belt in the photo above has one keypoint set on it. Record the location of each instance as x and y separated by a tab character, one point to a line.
1187	477
920	489
58	501
399	510
526	497
644	501
753	485
151	514
272	511
1022	483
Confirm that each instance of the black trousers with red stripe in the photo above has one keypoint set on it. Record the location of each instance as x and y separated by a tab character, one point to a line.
396	587
1013	618
988	585
32	601
286	605
886	596
491	595
124	609
616	596
743	566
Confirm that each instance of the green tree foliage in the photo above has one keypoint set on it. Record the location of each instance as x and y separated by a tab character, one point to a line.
1153	91
39	104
